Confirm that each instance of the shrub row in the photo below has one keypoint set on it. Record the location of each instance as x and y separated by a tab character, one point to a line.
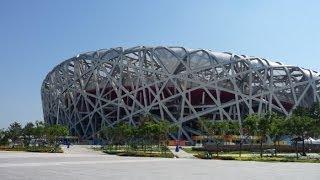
209	156
277	159
41	149
139	153
16	148
204	155
44	149
142	154
255	148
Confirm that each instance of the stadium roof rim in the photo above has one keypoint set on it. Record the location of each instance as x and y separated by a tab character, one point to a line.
225	57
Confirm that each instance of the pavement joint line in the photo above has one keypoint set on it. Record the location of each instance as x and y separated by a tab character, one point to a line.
85	162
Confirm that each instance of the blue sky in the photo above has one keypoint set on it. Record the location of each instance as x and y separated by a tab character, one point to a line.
37	35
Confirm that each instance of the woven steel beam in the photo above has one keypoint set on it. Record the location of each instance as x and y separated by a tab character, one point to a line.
109	86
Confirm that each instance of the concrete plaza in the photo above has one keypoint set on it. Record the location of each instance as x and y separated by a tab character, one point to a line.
94	165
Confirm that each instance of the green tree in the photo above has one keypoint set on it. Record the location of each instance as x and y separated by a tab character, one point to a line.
310	127
128	133
165	128
314	113
234	129
108	133
214	131
3	137
147	131
220	129
39	130
152	131
250	125
277	130
120	134
207	128
264	124
28	132
15	132
54	132
299	127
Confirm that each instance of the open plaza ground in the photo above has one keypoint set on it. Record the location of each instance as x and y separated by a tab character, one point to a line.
82	163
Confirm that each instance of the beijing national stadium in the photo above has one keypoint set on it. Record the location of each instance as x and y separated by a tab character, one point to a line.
109	86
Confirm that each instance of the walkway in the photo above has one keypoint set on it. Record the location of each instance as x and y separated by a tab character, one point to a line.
181	153
80	149
39	166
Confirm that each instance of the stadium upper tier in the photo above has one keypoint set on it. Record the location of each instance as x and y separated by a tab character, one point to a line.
181	85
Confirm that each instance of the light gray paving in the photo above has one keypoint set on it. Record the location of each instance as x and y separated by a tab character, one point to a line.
80	149
89	166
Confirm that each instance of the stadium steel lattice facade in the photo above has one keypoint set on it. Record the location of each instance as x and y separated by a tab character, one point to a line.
105	87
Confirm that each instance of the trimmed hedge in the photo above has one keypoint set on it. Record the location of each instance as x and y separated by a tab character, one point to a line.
139	153
44	149
40	149
204	155
256	148
142	154
209	156
16	148
278	159
111	152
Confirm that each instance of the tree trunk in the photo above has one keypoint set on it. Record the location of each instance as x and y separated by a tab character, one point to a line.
217	145
165	145
261	147
240	148
303	147
275	147
251	143
296	144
